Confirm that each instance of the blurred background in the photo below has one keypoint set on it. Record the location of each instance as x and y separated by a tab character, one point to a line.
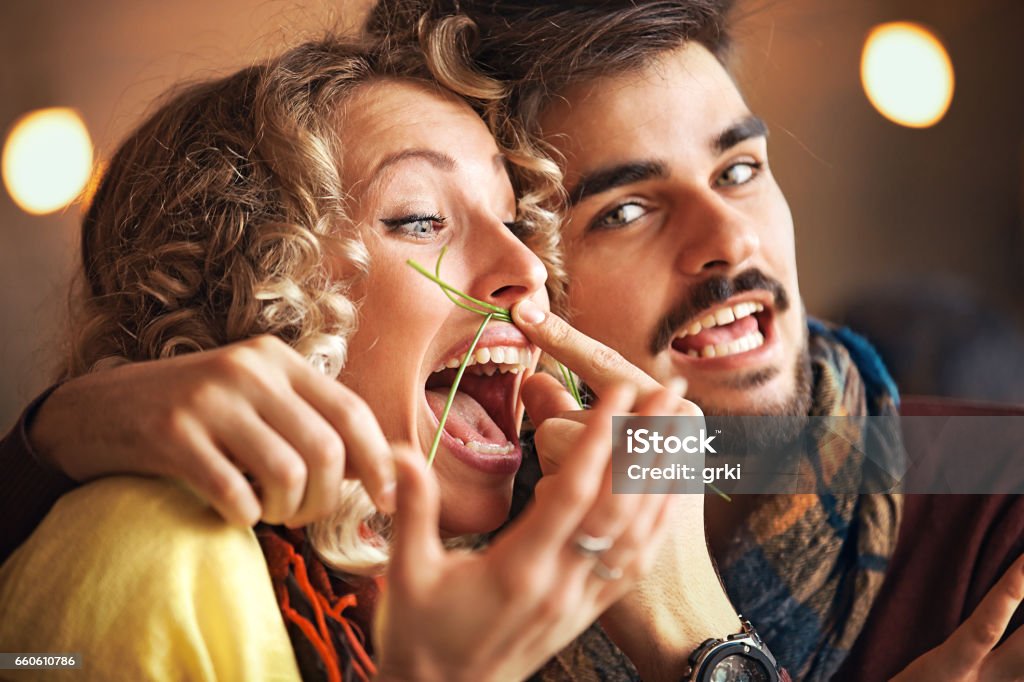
902	158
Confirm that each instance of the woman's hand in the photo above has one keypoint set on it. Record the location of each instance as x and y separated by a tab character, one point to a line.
970	653
254	408
500	613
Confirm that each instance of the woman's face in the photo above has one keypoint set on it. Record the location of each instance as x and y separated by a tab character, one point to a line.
424	173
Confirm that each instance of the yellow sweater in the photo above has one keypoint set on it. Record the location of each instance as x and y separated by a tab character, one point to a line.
144	582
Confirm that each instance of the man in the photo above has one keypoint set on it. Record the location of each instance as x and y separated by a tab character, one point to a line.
680	248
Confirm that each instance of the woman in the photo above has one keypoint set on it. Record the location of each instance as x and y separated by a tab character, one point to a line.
286	200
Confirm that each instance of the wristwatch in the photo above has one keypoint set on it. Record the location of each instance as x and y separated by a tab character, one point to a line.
742	657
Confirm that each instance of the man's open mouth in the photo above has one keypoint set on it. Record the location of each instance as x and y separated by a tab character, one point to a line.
483	417
725	331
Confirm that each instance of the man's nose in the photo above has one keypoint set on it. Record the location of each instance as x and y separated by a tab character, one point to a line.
715	235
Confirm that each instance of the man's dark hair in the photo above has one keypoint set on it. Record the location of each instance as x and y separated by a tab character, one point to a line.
540	48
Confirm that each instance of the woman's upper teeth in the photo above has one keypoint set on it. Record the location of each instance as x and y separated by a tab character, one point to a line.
490	360
722	316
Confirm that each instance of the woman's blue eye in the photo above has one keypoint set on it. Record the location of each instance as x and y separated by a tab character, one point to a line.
415	226
419	228
623	214
738	174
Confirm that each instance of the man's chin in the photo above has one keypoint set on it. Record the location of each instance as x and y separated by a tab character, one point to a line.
763	392
785	396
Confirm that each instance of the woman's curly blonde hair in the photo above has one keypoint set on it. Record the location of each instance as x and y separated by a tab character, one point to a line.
216	220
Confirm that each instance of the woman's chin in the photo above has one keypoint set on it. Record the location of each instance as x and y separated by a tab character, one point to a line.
466	512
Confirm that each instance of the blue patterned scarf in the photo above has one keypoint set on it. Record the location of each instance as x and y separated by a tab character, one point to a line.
806	568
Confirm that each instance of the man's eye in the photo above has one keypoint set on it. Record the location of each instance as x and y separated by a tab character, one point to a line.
623	214
738	174
415	226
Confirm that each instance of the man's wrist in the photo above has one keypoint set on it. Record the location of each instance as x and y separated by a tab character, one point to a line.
668	616
38	428
741	657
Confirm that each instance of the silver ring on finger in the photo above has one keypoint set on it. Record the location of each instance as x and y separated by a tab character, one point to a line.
591	545
606	572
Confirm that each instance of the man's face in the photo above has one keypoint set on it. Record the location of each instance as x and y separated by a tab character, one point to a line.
679	242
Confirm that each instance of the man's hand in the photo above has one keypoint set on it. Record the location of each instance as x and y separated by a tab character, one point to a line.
252	409
970	653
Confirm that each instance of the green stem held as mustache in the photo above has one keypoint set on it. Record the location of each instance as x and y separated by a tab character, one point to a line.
490	312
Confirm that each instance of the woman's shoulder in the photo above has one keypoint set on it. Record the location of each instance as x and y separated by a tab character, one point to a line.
143	568
103	515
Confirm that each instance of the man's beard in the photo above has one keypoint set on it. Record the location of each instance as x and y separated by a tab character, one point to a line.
790	414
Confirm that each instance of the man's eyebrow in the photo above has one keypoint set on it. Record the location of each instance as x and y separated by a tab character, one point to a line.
434	158
744	129
604	179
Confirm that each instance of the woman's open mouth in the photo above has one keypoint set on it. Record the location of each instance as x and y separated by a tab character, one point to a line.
482	428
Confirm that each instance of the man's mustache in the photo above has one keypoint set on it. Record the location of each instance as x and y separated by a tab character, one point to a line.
712	291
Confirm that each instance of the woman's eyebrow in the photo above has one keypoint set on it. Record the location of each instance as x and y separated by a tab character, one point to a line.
439	160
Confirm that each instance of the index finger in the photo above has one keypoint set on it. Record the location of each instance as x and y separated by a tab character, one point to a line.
554	516
417	546
985	627
598	365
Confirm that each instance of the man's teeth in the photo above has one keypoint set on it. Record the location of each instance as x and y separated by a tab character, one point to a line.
488	361
721	350
488	448
723	316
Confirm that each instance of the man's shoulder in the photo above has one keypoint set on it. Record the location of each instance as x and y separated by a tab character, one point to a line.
935	406
980	526
951	551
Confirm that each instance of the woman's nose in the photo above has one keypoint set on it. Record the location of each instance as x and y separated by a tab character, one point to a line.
507	271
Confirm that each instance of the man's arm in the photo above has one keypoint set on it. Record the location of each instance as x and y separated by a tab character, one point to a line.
29	487
252	427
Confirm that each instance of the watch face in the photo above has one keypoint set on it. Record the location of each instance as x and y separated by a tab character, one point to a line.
739	667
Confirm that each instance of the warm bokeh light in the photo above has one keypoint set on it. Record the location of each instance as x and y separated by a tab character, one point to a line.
89	191
47	160
907	74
